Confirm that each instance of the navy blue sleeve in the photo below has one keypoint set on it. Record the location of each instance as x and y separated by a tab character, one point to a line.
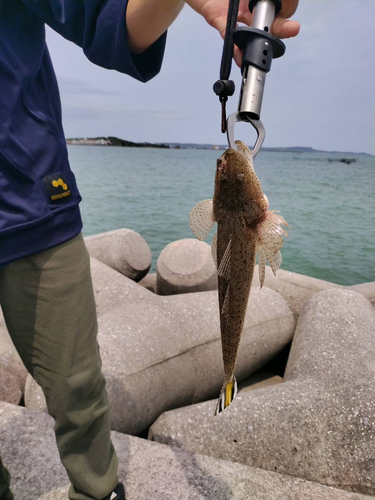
99	27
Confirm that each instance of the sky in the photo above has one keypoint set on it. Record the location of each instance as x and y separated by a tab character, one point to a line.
320	94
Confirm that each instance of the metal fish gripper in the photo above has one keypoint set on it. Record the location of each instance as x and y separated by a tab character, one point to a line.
258	47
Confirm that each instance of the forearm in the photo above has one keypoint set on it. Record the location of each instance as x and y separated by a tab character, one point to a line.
147	20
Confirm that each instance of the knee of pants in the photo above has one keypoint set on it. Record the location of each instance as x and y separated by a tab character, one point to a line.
77	392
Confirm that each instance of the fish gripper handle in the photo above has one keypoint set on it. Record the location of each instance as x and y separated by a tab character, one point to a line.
277	3
258	47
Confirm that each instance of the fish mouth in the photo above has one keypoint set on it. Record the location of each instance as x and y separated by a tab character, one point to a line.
222	165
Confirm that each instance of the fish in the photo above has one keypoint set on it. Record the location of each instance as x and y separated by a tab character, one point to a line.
246	228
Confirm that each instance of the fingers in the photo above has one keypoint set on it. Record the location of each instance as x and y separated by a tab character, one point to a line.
288	8
237	56
282	28
244	15
220	23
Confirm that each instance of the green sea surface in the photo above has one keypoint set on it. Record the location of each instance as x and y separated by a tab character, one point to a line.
329	205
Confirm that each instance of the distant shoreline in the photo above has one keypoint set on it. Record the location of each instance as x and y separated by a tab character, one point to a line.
116	142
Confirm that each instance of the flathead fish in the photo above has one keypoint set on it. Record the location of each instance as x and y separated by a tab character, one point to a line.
245	228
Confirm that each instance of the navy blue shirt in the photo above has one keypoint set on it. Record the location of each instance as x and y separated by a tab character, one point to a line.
38	192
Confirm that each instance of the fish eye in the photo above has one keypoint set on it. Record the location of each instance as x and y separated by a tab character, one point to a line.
241	177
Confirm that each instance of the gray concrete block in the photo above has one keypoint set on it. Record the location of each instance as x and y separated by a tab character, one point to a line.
319	424
366	289
259	380
29	452
167	354
149	471
186	266
12	371
149	282
113	290
122	249
34	397
334	341
295	288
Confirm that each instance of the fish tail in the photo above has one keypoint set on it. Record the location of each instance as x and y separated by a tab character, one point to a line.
228	393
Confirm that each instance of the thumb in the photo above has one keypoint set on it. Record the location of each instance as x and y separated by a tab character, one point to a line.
220	23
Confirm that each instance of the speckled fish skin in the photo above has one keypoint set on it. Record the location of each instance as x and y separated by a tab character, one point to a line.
246	228
239	206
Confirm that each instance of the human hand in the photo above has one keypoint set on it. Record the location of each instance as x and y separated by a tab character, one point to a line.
215	13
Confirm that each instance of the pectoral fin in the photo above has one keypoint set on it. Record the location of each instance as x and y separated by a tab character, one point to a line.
271	232
262	260
274	260
202	219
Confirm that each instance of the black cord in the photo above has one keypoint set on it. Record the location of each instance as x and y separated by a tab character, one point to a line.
225	87
227	56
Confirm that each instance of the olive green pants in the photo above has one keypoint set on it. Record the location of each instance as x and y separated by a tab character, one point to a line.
49	309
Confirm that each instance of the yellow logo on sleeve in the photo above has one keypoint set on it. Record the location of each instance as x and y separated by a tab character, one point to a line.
57	187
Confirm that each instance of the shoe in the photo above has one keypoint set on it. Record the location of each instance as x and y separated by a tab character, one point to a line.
8	496
117	494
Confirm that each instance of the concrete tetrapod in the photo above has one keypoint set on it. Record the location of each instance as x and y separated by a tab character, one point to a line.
166	354
149	282
122	249
149	471
366	289
12	371
319	423
113	290
295	288
185	266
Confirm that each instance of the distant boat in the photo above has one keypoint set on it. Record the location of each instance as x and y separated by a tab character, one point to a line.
347	161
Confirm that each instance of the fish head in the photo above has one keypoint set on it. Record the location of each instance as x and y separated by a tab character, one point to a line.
236	183
232	172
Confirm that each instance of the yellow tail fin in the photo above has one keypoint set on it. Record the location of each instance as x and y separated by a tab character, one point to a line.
228	393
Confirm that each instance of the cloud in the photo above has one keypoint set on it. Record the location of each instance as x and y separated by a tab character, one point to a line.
320	94
73	86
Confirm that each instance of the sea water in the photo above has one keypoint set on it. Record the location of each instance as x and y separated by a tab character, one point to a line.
329	205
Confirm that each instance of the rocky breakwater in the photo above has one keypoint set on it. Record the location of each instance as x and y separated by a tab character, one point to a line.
164	352
12	371
185	266
122	249
319	424
296	288
366	289
149	471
